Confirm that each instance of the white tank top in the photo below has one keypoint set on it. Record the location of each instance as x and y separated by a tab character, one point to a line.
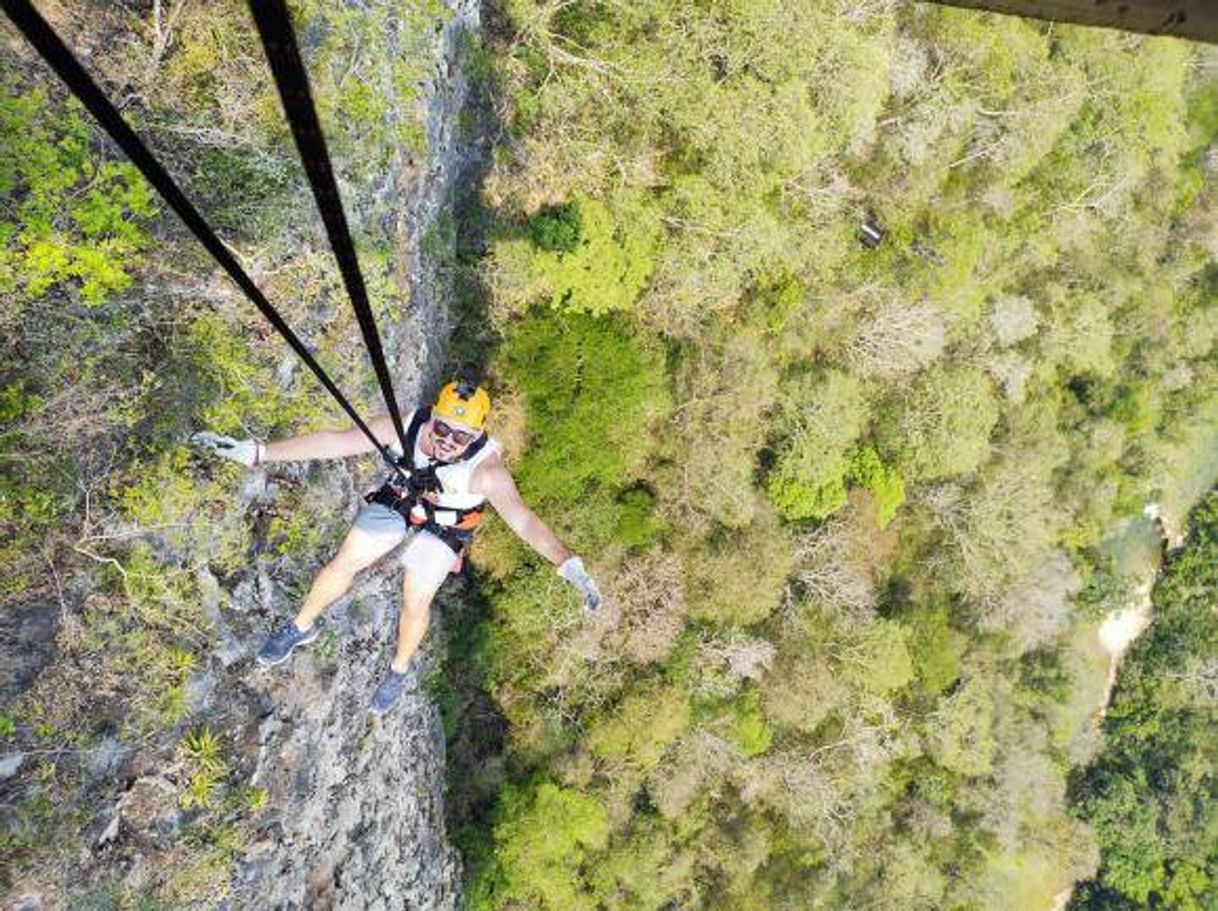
455	478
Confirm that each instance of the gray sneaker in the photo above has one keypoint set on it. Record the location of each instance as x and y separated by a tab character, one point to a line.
280	644
388	693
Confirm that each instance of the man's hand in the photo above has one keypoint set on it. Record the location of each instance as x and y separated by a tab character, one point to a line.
573	571
247	452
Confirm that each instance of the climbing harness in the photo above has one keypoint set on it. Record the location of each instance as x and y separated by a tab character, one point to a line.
419	499
278	38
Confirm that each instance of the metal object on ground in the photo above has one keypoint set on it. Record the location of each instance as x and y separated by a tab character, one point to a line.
870	233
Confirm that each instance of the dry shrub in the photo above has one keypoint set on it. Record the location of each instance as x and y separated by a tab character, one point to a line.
834	566
803	788
724	664
1038	606
826	194
997	533
1012	319
697	762
645	607
909	64
496	550
1011	371
722	394
896	338
803	688
508	424
1029	790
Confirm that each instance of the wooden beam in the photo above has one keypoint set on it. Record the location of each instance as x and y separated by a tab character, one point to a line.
1195	19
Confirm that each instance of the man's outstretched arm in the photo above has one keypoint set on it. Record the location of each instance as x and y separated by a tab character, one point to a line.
329	444
494	482
323	444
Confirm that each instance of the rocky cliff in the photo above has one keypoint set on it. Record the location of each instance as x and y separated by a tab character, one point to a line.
323	808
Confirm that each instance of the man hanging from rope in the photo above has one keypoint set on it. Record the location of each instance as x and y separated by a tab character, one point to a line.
454	470
454	467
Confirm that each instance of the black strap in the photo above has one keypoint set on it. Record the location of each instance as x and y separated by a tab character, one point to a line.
403	502
60	59
418	419
279	43
474	448
457	540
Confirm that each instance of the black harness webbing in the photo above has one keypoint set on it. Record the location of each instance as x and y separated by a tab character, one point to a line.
60	59
402	498
279	43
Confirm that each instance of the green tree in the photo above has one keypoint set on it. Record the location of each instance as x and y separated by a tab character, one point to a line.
600	268
544	835
941	425
962	735
883	482
592	388
641	727
73	219
826	415
1152	796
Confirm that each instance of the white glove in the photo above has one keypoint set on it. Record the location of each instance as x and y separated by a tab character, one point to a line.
248	452
573	571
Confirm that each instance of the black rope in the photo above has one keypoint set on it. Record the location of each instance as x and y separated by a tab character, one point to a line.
279	42
60	59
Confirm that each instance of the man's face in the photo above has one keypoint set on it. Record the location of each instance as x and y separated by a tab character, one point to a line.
450	438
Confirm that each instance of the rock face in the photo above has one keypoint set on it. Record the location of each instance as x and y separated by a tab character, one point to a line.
27	643
355	816
320	806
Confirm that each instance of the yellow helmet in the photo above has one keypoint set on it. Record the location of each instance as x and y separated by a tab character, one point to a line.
463	401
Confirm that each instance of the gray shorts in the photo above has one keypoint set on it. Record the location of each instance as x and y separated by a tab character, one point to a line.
426	556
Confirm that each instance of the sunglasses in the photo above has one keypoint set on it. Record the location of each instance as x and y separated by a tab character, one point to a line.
443	431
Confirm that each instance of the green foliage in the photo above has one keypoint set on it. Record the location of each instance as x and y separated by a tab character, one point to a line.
1079	333
737	577
236	384
1019	364
748	728
829	413
647	869
941	425
883	482
592	388
206	769
1151	796
594	261
641	727
773	303
72	219
935	648
556	229
638	525
369	118
962	737
543	836
804	688
878	659
163	497
724	390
